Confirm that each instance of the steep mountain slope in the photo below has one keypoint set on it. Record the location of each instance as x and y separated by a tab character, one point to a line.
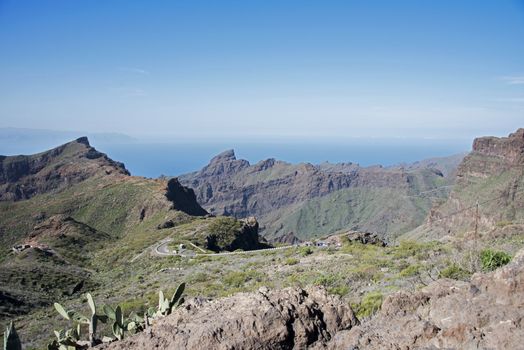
304	200
70	215
492	175
77	180
22	177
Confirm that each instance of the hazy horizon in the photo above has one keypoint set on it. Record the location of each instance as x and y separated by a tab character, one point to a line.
152	158
264	70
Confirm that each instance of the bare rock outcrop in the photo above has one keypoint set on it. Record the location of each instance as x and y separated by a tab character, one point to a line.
365	238
486	313
183	198
510	148
291	318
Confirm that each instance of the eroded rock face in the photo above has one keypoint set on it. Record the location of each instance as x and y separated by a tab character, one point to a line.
492	156
272	190
292	318
492	175
509	148
486	313
183	198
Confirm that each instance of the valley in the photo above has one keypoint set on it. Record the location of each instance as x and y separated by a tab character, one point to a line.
297	202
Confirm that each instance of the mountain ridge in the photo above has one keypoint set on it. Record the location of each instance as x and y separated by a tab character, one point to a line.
24	176
273	190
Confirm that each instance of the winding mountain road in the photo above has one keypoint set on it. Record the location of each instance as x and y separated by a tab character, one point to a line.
163	250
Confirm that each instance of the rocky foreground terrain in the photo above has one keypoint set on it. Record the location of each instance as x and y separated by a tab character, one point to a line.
485	313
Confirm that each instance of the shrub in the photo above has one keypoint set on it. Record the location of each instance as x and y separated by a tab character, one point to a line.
305	251
137	305
455	272
362	251
407	249
334	284
238	279
326	280
409	271
364	272
339	290
420	251
370	304
491	259
199	277
291	261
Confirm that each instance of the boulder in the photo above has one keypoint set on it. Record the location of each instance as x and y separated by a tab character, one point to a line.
291	318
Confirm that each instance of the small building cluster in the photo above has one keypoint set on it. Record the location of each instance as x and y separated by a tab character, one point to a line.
321	244
20	247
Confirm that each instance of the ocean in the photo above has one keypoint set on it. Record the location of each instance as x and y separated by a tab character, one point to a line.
153	160
150	159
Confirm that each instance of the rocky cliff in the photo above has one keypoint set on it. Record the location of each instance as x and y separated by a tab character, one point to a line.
304	200
183	198
510	149
492	175
64	167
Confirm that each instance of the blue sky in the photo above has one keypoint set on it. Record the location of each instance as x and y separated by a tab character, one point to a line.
264	69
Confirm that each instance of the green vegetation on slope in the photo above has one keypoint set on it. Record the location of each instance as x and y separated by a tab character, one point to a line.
362	274
368	209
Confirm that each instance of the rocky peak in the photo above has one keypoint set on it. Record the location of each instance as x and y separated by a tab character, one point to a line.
226	156
264	164
224	164
83	140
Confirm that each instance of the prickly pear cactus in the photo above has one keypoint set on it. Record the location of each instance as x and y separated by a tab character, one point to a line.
11	339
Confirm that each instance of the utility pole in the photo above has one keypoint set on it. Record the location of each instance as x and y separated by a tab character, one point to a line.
476	218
